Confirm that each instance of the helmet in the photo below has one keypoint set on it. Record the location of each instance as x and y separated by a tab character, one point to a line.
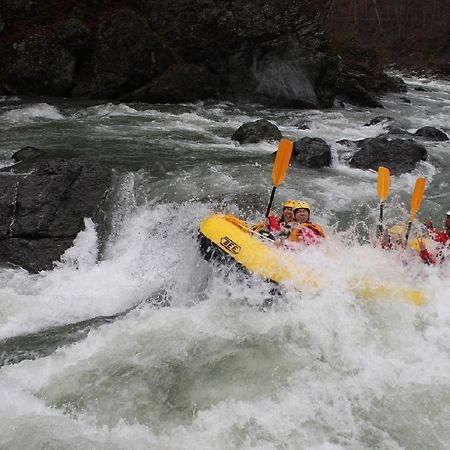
415	243
448	213
397	230
303	205
289	204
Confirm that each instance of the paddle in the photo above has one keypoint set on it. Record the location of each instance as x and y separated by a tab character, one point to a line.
416	200
280	167
383	191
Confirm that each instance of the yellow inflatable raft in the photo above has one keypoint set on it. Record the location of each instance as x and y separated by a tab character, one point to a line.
228	238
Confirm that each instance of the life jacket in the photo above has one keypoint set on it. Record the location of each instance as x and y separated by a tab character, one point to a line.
307	233
442	237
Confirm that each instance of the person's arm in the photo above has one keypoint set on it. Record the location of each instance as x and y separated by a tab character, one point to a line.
274	223
438	236
424	254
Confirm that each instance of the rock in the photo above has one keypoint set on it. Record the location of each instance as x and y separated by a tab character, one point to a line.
122	54
27	153
379	119
2	24
40	65
301	124
394	84
396	131
312	152
182	83
42	212
72	34
398	155
361	78
269	52
253	132
431	134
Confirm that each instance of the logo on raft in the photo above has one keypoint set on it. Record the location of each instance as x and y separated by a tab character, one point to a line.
230	245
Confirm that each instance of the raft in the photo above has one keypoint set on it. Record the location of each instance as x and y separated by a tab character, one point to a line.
228	239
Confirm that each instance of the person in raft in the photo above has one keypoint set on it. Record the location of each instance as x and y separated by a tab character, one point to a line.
396	241
443	237
278	226
303	230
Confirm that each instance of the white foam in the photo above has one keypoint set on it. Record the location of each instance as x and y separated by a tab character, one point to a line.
39	111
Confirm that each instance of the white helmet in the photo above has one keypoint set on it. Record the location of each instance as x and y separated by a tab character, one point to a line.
448	212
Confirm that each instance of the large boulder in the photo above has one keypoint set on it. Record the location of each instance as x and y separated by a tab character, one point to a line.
258	131
431	134
399	155
312	152
42	211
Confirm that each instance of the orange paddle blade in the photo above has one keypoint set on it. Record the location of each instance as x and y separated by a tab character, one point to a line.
282	160
417	197
383	183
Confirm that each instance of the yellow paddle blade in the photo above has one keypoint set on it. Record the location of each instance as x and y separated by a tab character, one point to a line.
282	160
417	197
383	183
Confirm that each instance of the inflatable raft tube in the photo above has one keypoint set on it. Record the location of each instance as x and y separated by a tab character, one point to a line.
229	239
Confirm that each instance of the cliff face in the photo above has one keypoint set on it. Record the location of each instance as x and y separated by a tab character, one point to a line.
411	34
275	52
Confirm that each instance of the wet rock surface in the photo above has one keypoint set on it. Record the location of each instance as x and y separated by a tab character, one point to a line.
43	204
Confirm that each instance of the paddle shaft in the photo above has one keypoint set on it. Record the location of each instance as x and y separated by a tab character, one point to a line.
407	233
380	222
383	192
269	206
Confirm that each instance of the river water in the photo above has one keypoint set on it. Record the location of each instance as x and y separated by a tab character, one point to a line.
134	342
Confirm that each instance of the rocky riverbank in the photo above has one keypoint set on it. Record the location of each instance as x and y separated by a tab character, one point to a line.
276	53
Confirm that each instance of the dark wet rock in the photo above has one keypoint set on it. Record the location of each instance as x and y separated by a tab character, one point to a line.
361	78
312	152
405	100
399	155
396	131
42	211
431	134
276	53
376	120
394	84
122	54
253	132
302	124
41	66
182	83
422	89
27	153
